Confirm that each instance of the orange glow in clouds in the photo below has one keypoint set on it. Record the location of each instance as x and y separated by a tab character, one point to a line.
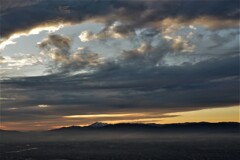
227	114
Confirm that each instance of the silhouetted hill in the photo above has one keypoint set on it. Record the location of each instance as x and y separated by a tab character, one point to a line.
122	131
201	126
9	132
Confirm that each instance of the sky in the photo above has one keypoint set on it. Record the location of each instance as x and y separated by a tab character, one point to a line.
74	62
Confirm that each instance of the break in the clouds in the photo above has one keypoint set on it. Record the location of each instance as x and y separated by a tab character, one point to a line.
145	58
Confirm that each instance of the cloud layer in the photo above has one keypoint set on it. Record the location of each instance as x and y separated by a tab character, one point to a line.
23	16
185	57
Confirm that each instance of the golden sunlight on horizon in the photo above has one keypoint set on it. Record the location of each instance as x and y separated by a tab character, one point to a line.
104	115
227	114
214	115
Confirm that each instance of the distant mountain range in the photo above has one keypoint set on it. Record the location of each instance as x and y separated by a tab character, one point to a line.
102	131
196	126
200	126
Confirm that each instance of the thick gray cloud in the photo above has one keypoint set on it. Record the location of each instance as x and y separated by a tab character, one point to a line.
8	5
23	16
128	85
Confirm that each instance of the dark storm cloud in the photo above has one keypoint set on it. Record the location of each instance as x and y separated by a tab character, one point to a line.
127	88
23	16
11	4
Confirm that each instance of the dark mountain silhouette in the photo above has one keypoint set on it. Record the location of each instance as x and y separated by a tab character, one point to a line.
101	131
201	126
8	131
198	126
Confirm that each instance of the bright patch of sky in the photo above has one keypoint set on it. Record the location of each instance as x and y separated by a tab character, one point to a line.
13	64
191	44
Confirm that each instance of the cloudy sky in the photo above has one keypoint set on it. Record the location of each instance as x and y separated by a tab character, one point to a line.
74	62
